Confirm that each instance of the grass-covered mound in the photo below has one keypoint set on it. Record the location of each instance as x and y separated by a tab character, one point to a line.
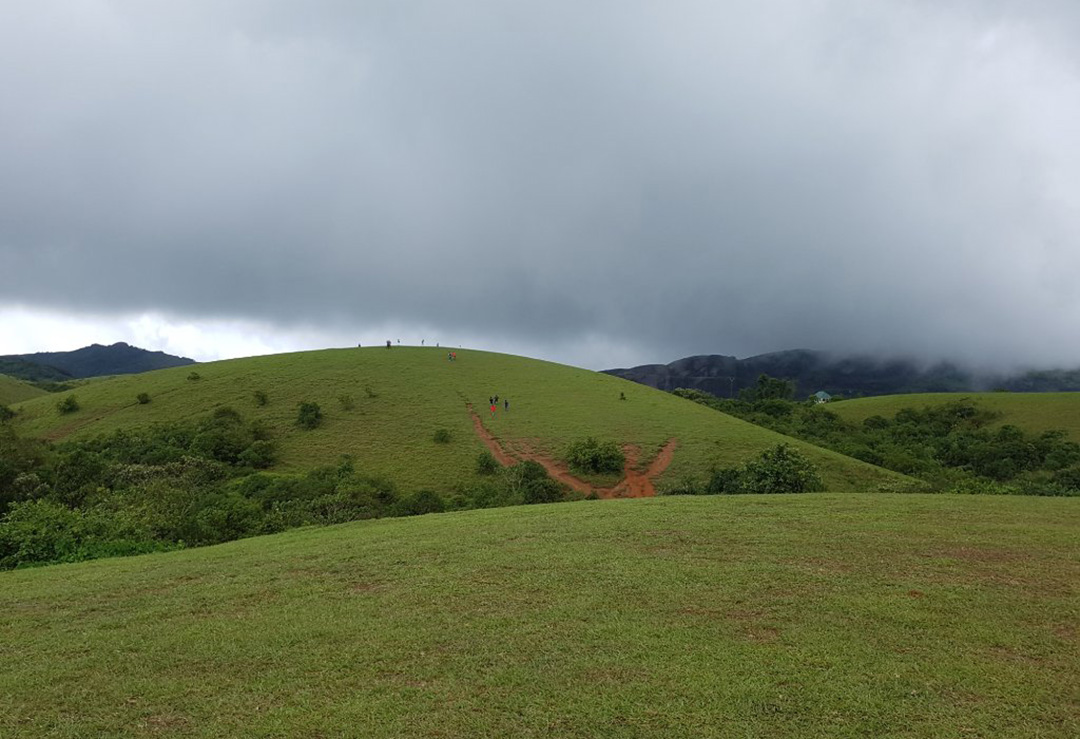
824	615
16	391
1035	412
387	408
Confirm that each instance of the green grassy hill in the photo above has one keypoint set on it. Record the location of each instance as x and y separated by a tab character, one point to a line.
15	391
401	396
810	616
1035	412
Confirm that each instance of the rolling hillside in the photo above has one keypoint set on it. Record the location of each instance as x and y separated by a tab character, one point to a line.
816	615
400	397
1034	412
16	391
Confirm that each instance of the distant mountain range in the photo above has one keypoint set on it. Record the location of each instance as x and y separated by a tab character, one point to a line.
850	376
90	361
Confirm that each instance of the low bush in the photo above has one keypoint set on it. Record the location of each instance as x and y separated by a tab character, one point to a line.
347	402
194	377
309	415
68	404
143	398
595	457
261	398
442	436
486	464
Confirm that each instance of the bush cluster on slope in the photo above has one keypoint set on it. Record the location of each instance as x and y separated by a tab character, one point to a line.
205	482
951	446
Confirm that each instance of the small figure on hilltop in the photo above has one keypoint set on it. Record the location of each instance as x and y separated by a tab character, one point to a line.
388	343
506	404
622	396
496	400
492	410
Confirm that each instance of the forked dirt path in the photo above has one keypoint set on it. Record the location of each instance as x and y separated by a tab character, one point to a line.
635	483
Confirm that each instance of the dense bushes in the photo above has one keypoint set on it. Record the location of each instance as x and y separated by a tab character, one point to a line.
943	445
199	483
781	469
591	456
67	404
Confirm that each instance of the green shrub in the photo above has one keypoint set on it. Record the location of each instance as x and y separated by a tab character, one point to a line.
309	415
686	485
143	398
442	436
421	502
486	464
725	481
347	402
194	377
260	455
369	392
595	457
261	398
6	414
781	469
67	405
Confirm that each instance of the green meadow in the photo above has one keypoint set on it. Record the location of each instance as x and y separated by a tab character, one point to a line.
1033	412
728	616
396	399
16	391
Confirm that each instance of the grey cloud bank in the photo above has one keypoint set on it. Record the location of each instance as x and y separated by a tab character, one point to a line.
668	178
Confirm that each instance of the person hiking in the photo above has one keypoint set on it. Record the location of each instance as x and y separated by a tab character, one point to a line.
506	404
496	400
492	410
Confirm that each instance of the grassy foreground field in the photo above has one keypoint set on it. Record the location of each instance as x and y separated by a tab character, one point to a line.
1034	412
16	391
814	615
401	396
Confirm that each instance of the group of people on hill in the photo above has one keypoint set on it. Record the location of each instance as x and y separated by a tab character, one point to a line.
451	356
494	402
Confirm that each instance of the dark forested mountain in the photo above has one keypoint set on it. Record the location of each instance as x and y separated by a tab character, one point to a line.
90	361
852	376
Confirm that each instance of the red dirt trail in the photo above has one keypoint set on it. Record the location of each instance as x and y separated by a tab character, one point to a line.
635	483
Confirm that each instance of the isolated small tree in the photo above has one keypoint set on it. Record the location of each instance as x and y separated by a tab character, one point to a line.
781	469
309	416
442	436
67	405
143	398
598	457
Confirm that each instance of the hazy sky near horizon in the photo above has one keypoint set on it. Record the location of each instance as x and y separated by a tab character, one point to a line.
605	184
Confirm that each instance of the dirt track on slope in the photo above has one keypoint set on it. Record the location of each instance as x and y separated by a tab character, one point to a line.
635	483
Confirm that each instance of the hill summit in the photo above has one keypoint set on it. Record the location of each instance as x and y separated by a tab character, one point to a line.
90	361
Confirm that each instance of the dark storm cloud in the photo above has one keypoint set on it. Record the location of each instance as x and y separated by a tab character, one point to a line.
684	177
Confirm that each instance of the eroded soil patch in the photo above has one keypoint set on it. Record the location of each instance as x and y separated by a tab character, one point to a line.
634	484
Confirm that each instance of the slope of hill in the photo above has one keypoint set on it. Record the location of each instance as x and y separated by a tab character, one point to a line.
1034	412
14	391
815	615
21	369
850	376
395	400
97	360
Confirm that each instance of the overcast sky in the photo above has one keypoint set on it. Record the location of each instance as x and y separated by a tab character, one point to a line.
603	183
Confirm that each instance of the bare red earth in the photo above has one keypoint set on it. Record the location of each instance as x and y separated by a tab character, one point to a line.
635	483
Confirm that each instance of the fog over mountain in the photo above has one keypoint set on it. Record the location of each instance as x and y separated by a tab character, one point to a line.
605	184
